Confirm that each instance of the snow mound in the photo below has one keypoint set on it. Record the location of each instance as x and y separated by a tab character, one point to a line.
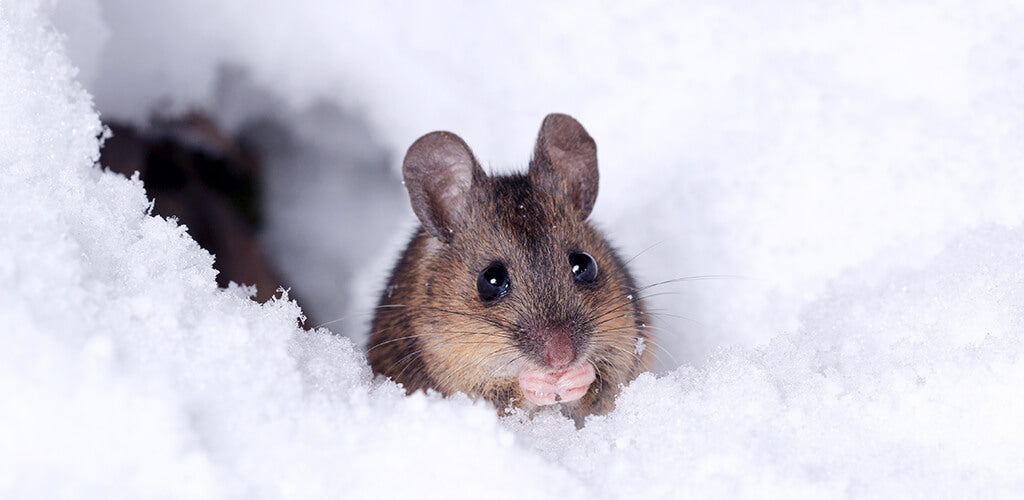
127	373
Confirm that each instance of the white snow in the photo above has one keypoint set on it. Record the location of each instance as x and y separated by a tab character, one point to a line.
856	164
640	346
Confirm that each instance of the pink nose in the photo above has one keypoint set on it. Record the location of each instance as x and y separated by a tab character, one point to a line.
558	352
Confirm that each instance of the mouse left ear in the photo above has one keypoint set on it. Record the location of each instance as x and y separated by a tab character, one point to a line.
439	171
565	161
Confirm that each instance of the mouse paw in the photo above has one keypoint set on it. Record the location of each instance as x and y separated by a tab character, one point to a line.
545	387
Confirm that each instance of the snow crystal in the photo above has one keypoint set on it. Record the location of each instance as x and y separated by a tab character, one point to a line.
872	347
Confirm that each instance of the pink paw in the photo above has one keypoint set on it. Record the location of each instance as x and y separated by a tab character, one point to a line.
545	387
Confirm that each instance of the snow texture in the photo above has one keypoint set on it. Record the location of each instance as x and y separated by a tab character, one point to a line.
857	164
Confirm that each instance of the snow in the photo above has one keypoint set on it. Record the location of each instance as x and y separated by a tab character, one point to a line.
856	165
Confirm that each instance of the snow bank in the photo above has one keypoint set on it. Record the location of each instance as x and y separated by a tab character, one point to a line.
126	373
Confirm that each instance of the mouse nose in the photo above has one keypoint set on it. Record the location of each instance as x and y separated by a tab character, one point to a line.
558	352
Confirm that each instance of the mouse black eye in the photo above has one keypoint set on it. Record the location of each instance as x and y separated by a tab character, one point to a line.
583	267
493	282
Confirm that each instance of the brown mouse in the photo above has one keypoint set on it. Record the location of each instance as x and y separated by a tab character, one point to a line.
506	292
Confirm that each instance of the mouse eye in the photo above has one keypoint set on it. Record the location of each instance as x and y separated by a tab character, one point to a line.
583	267
493	282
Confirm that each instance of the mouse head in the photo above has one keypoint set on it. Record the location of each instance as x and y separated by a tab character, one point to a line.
523	287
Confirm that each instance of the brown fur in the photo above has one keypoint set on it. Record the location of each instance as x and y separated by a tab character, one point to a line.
431	329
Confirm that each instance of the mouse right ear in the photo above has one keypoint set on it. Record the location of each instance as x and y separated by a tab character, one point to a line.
439	170
565	161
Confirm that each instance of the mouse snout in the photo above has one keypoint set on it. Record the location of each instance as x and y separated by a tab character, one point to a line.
550	344
558	352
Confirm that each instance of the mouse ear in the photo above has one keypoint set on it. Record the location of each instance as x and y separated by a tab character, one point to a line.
565	161
439	170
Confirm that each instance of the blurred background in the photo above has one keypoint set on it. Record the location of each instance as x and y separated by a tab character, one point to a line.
793	145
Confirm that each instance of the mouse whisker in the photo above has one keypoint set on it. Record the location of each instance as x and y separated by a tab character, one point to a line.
353	314
657	345
609	319
705	277
626	307
478	317
445	341
501	328
331	322
441	386
600	333
407	361
659	294
456	333
614	345
629	346
464	367
597	370
516	358
631	259
409	357
658	313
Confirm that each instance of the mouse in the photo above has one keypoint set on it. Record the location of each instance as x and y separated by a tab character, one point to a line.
506	291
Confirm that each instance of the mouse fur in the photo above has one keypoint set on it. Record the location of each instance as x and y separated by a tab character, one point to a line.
432	328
